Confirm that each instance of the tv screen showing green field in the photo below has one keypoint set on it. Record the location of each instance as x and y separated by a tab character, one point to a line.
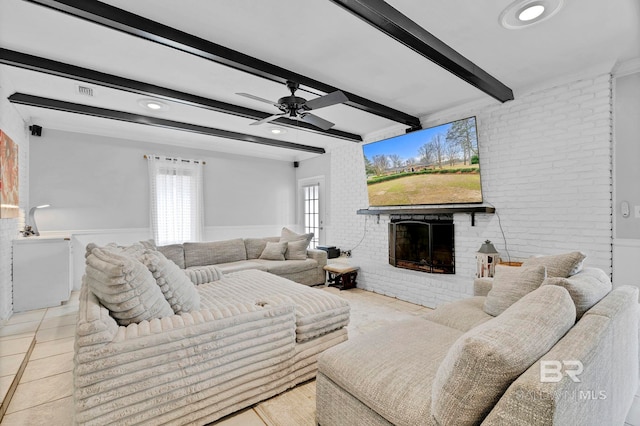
438	165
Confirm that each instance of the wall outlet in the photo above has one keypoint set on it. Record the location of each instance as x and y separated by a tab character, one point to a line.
637	211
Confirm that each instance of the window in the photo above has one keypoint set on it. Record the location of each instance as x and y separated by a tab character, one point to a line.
311	212
176	199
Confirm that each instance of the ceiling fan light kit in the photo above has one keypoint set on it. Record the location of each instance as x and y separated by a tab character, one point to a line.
298	108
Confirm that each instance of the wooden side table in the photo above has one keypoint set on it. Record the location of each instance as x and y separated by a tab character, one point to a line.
341	275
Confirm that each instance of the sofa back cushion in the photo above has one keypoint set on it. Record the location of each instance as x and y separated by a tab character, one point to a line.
586	288
510	284
175	285
255	246
558	265
124	286
175	253
213	253
483	362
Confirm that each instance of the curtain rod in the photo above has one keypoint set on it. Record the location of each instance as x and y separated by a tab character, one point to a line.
174	159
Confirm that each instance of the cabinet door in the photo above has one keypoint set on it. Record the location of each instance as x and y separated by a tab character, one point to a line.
40	273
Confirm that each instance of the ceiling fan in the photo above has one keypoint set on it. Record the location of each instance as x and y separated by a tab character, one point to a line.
297	107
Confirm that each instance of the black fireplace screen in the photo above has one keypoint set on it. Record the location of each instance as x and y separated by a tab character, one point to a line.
425	246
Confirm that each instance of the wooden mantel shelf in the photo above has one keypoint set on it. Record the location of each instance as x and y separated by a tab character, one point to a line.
431	210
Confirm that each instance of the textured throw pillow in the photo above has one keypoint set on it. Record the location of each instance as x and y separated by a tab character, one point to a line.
124	286
510	284
482	363
586	288
176	287
203	274
559	265
274	251
296	250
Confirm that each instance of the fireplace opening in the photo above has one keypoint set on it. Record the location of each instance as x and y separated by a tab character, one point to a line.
422	245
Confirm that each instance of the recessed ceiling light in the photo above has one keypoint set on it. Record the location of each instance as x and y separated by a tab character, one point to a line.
277	130
531	12
522	13
153	104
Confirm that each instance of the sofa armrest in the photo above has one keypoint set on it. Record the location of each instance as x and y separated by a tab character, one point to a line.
482	286
203	274
319	256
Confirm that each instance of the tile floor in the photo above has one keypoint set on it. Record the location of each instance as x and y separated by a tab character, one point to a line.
43	395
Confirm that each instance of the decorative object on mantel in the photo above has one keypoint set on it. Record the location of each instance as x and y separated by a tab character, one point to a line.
9	173
33	229
487	258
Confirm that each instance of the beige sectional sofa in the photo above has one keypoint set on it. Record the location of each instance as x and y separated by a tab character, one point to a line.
153	348
304	267
561	351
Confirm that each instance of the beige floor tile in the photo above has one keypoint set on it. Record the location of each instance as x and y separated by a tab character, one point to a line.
54	347
56	333
20	328
10	364
27	316
30	335
5	384
401	305
46	367
32	394
15	346
58	412
61	310
54	322
243	418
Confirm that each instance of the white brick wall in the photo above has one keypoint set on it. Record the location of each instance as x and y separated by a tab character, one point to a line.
13	125
546	167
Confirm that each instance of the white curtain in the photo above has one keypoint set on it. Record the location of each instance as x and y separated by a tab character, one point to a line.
176	189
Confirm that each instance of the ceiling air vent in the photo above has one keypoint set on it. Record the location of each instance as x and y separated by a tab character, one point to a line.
85	90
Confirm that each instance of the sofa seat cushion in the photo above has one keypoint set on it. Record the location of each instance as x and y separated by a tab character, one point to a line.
243	265
462	314
317	311
481	365
215	252
394	382
281	267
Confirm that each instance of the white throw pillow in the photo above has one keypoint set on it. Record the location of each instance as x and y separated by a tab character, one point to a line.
176	286
298	250
510	284
274	251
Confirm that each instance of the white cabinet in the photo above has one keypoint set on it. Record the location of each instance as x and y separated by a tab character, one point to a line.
41	272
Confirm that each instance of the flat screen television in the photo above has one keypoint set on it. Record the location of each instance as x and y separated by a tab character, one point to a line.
437	165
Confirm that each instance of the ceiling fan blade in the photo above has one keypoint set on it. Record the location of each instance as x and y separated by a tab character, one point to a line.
333	98
267	119
317	121
257	98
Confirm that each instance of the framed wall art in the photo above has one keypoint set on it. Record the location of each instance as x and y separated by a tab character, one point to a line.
9	172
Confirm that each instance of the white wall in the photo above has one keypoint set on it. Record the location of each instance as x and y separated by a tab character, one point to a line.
13	125
99	192
546	167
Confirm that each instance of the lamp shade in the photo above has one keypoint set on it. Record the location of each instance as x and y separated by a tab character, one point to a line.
487	248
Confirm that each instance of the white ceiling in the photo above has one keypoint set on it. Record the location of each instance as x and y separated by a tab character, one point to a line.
315	38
